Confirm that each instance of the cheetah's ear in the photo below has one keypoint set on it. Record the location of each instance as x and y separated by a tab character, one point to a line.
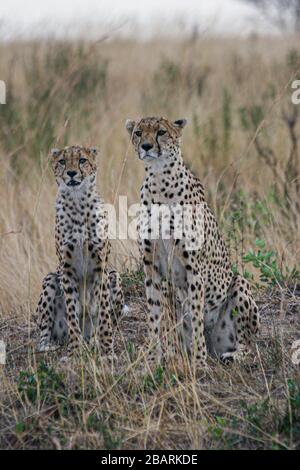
94	151
54	152
180	123
130	125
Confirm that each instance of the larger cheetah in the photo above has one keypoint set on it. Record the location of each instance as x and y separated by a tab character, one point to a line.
80	299
197	263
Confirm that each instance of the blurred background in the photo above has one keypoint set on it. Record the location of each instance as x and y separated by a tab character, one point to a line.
76	70
71	18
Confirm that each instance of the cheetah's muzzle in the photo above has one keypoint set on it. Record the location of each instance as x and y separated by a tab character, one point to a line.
73	183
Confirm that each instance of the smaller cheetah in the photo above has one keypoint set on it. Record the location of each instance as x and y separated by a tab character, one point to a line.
214	302
82	298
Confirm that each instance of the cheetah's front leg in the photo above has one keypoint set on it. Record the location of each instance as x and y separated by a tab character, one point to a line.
70	287
100	307
195	284
104	329
153	286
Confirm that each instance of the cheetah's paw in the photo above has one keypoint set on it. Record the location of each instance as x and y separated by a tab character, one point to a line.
235	356
47	348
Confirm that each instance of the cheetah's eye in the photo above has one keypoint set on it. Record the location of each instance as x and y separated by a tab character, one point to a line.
62	161
82	160
138	133
161	132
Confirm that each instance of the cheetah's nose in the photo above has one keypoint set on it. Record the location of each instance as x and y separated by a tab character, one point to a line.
71	173
146	146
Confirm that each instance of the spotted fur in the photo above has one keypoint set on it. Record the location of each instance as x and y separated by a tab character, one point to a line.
81	298
214	303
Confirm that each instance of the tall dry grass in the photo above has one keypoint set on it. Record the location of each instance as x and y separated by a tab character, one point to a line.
235	94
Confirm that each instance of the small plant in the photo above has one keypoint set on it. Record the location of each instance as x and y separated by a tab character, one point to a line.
218	428
151	383
131	350
219	431
20	427
130	279
267	263
111	439
40	383
234	312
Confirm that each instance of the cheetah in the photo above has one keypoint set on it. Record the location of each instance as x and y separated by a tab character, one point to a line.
82	299
217	311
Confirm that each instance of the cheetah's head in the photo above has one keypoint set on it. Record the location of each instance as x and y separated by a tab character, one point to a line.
74	166
155	138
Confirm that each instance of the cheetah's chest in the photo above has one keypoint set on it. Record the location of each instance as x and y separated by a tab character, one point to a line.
82	262
79	228
170	265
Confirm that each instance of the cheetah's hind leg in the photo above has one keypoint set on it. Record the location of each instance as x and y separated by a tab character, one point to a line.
238	322
51	312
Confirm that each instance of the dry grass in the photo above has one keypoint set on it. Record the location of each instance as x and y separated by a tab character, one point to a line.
233	93
255	405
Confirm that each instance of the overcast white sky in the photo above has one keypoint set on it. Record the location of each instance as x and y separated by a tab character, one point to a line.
55	16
